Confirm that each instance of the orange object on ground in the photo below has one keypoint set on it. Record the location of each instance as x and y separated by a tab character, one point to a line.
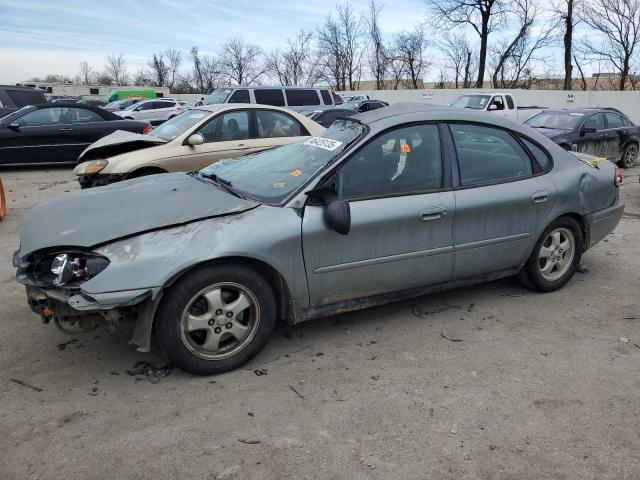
3	202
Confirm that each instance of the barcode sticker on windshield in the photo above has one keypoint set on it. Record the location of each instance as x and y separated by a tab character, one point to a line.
325	143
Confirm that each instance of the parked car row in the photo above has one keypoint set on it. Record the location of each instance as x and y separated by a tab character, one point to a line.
385	205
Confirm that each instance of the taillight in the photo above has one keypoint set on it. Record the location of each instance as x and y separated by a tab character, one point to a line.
617	179
147	128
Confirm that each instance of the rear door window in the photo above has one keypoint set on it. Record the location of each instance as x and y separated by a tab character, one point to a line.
271	124
240	96
487	155
614	120
326	97
300	97
80	115
269	96
542	158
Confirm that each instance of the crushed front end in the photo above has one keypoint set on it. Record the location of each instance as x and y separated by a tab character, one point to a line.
53	279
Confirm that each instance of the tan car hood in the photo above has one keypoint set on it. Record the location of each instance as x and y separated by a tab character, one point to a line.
119	142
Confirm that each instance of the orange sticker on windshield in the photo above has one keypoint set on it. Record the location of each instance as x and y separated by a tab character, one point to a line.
296	173
405	148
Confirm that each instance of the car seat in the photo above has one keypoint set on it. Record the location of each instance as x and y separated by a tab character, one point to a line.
233	131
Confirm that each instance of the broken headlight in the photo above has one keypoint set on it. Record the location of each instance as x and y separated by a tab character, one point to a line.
69	268
91	167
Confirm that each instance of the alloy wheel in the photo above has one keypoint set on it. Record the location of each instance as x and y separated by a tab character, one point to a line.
219	321
556	254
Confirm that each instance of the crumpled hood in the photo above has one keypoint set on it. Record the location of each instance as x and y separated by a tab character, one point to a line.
551	132
86	218
120	137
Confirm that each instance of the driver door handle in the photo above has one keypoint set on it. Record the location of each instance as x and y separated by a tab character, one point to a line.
433	213
66	129
243	146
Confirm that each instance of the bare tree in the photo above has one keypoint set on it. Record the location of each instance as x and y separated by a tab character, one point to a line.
566	10
295	64
396	70
618	24
410	48
174	60
116	69
330	51
159	70
351	31
378	58
514	57
207	73
103	78
86	72
457	55
584	81
484	16
239	61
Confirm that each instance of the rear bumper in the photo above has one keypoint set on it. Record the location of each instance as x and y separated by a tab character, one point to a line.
602	223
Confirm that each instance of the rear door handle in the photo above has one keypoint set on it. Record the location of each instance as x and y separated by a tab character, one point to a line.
242	146
435	213
540	197
66	129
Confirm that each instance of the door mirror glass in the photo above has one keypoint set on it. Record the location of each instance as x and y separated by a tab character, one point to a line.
195	139
337	212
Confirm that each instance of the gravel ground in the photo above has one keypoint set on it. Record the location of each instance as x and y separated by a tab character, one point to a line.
492	381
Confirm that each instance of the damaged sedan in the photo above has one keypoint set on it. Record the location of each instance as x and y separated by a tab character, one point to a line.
387	205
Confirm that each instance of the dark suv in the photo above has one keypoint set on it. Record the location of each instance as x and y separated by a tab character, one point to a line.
605	132
13	97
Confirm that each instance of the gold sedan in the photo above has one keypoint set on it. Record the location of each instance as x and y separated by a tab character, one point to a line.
191	141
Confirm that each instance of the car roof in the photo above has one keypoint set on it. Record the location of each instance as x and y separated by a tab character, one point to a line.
383	118
217	107
584	110
263	87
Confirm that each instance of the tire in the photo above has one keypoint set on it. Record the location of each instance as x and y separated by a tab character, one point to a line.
629	156
551	266
216	319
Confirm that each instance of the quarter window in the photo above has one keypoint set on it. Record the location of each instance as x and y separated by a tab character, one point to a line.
227	127
402	161
275	124
240	96
488	154
542	159
300	97
269	97
594	121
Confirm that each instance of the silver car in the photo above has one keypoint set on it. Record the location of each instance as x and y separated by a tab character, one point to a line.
393	203
153	111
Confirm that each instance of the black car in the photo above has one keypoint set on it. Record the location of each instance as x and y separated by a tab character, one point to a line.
605	132
58	132
328	116
364	105
13	97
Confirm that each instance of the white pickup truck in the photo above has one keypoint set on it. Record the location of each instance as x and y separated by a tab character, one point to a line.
498	103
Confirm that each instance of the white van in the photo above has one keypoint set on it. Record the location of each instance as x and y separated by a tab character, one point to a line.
294	98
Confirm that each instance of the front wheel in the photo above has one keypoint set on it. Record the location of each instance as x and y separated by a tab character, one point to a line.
216	319
629	156
555	257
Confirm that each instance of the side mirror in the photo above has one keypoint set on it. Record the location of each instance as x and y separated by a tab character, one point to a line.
14	126
492	107
337	212
195	139
585	130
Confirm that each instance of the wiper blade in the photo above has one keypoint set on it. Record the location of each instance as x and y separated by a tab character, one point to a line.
222	182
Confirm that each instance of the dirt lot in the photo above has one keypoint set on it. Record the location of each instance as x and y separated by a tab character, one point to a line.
492	382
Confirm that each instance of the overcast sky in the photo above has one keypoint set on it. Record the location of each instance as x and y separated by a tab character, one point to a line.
38	37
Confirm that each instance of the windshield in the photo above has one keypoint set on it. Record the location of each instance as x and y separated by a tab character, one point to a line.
477	102
176	126
561	120
273	175
219	95
113	105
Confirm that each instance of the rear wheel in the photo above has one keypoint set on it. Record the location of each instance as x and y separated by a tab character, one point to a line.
555	257
629	156
216	319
